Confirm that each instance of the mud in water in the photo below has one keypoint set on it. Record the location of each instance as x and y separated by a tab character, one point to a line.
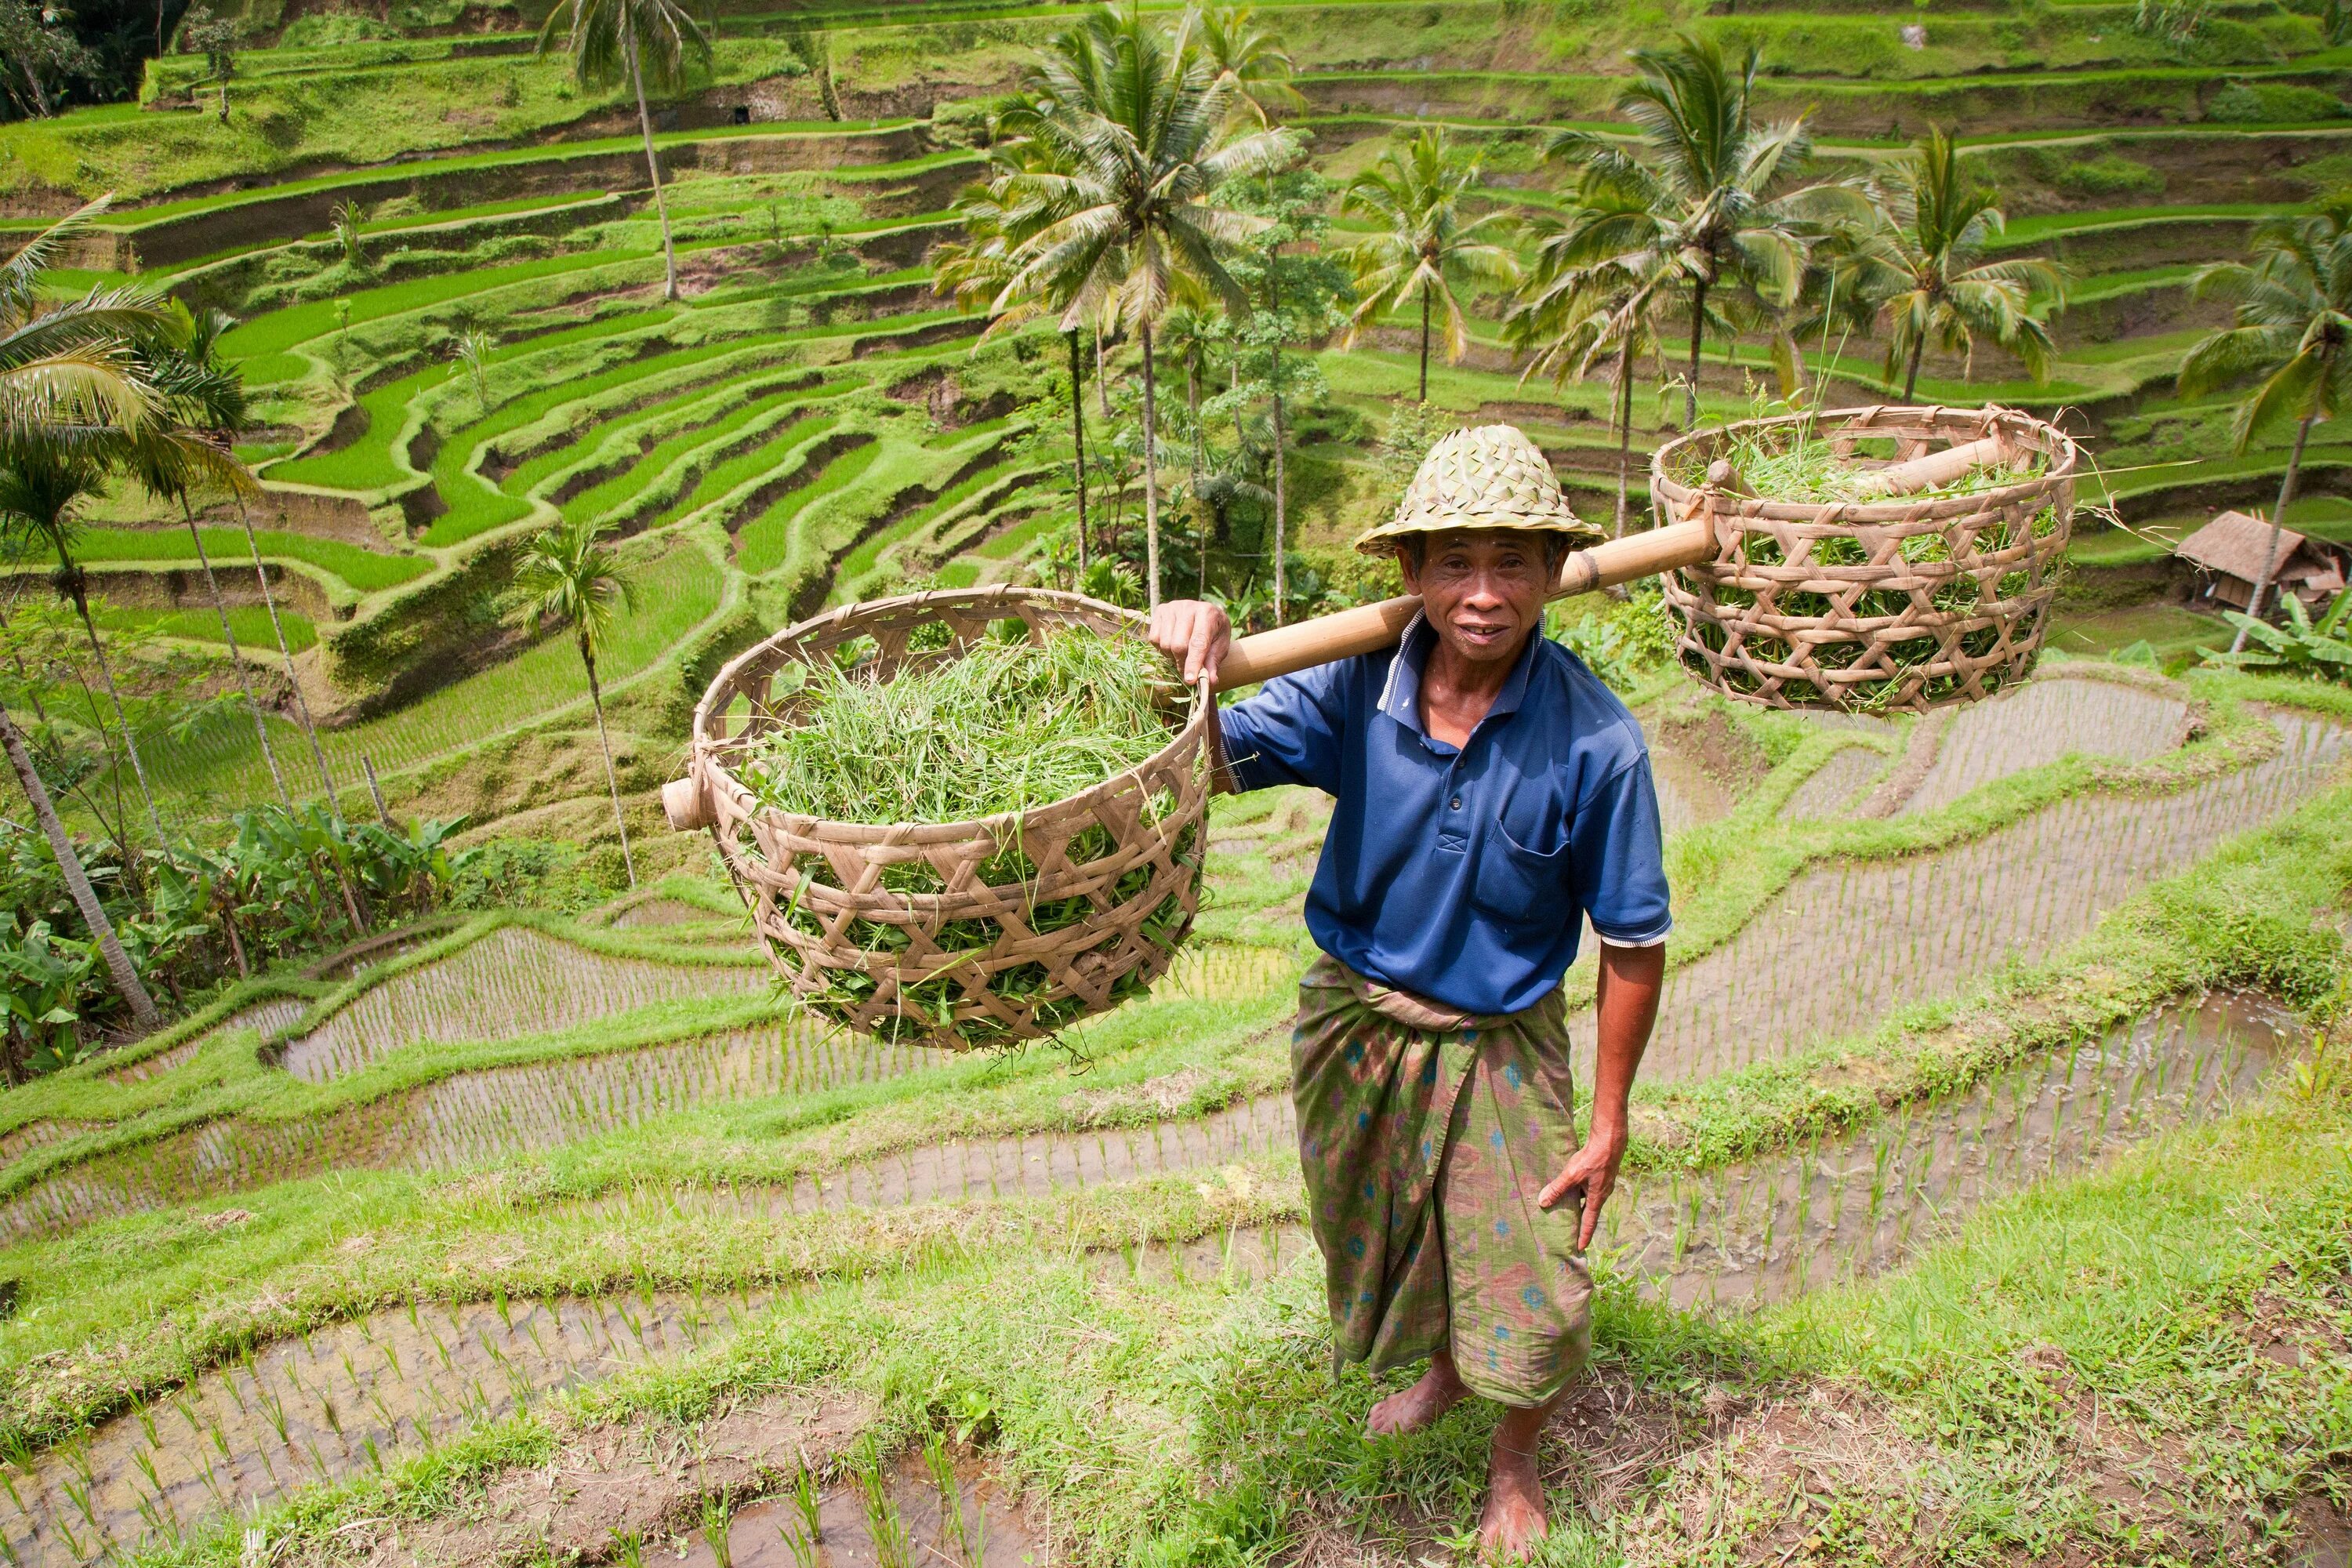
1834	785
1844	1209
460	1119
661	913
1774	1228
262	1016
341	1402
350	1398
2039	723
1037	1164
512	983
882	1515
1844	943
473	1118
1687	794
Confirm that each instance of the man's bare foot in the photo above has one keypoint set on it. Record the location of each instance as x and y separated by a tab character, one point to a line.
1439	1391
1514	1519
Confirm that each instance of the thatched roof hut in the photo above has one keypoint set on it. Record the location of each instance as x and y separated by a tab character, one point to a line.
2228	555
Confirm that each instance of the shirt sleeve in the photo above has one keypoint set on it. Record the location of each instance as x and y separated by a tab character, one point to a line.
1289	733
1617	857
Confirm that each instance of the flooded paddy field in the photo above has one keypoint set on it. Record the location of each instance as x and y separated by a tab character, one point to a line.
1843	1208
348	1398
338	1401
481	1116
2038	722
1847	942
513	982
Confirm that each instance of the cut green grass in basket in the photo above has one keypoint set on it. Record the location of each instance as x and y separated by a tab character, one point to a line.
1791	462
1006	726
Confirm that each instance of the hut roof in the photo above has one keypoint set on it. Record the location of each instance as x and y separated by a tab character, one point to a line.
2235	544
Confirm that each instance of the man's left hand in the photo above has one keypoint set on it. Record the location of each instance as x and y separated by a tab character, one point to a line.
1592	1170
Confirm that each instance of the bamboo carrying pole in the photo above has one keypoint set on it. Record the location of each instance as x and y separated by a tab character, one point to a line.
1368	628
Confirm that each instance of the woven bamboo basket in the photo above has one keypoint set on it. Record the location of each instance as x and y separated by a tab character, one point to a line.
1894	604
975	961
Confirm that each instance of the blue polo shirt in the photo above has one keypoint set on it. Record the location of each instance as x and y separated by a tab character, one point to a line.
1459	875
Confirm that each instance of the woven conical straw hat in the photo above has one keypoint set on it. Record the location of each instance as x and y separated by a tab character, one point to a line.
1493	477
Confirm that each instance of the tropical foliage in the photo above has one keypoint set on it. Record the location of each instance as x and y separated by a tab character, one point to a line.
2292	337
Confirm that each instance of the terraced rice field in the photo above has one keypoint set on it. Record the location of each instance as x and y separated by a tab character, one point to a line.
1846	943
809	423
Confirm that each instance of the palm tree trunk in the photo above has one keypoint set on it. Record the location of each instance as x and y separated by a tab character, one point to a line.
612	780
85	898
301	703
1698	338
243	682
1624	412
653	166
1281	580
1102	381
1078	440
114	695
2278	522
1911	375
1150	471
1424	346
1200	517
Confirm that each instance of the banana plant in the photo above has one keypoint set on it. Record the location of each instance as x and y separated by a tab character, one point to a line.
2298	647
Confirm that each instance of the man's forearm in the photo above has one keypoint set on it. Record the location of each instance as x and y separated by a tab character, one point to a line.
1624	1011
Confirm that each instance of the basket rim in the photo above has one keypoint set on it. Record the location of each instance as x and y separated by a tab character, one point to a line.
2065	458
708	752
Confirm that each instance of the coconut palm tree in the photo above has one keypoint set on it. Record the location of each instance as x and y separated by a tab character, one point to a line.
1921	261
211	398
2294	330
630	40
568	573
101	929
1588	305
70	372
40	496
1187	336
1428	248
1249	63
973	271
1706	185
1128	142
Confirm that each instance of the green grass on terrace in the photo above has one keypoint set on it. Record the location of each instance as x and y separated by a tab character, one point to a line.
677	592
364	570
249	624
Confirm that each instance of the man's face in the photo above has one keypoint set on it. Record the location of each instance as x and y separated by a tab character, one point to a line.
1483	589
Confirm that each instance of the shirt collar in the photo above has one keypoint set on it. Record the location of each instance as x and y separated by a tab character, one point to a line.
1401	694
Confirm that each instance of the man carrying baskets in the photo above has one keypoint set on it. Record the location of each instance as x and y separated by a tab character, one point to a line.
1492	794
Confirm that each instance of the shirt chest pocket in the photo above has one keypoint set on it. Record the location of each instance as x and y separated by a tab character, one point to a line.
1518	885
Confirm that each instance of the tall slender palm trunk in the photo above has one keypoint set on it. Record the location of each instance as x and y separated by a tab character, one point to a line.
1281	576
1200	514
114	695
1151	470
301	703
118	962
1078	440
2278	522
1911	375
1424	346
1624	431
653	166
612	780
1698	341
236	660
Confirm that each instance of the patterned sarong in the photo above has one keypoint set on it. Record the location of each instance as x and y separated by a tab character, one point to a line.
1425	1136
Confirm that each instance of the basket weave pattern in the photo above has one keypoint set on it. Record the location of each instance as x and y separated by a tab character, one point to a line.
1770	621
816	889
